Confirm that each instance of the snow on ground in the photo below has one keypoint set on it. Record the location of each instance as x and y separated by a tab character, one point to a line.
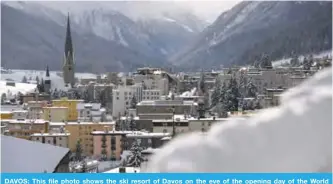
128	170
121	38
287	60
10	91
56	79
107	165
294	137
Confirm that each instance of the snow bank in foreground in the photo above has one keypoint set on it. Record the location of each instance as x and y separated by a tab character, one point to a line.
295	137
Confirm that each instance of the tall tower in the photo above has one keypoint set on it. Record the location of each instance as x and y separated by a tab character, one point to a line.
47	81
68	65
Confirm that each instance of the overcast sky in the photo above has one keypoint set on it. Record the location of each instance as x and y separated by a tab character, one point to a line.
208	9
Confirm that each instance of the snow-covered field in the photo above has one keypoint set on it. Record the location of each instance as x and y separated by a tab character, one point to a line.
10	91
287	60
56	79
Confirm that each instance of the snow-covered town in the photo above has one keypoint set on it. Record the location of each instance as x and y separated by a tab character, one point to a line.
115	122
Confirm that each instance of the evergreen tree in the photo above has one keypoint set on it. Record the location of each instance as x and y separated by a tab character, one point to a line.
132	124
202	87
84	166
24	79
257	105
242	84
3	98
294	62
133	102
232	95
256	64
104	152
78	151
135	159
216	93
306	64
251	90
37	79
266	62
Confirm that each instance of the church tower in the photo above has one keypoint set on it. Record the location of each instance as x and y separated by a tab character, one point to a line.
68	65
47	81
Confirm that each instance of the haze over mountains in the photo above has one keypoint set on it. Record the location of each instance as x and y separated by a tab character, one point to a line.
119	39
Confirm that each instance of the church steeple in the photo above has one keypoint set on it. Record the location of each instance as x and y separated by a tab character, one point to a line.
68	66
68	43
47	81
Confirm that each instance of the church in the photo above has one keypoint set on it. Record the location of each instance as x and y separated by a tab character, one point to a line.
68	64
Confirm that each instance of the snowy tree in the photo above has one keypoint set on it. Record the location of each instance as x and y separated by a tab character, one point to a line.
37	79
294	62
78	151
256	64
24	79
251	90
215	98
132	123
133	102
202	86
257	105
266	62
231	96
135	159
306	64
104	152
242	84
83	166
3	98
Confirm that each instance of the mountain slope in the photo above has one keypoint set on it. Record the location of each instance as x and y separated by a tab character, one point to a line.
32	42
122	22
242	34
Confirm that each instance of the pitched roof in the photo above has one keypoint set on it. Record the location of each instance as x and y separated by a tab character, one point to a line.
20	155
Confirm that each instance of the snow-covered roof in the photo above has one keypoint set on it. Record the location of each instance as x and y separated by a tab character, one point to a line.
147	134
19	87
127	169
50	134
23	156
26	121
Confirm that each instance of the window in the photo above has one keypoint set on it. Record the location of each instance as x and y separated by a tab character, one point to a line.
60	145
129	93
49	141
117	98
202	130
60	138
37	138
203	124
126	103
165	130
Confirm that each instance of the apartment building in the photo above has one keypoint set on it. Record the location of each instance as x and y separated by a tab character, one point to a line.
20	114
90	112
35	109
6	115
23	128
70	104
123	95
81	131
165	109
118	141
56	139
187	125
55	114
